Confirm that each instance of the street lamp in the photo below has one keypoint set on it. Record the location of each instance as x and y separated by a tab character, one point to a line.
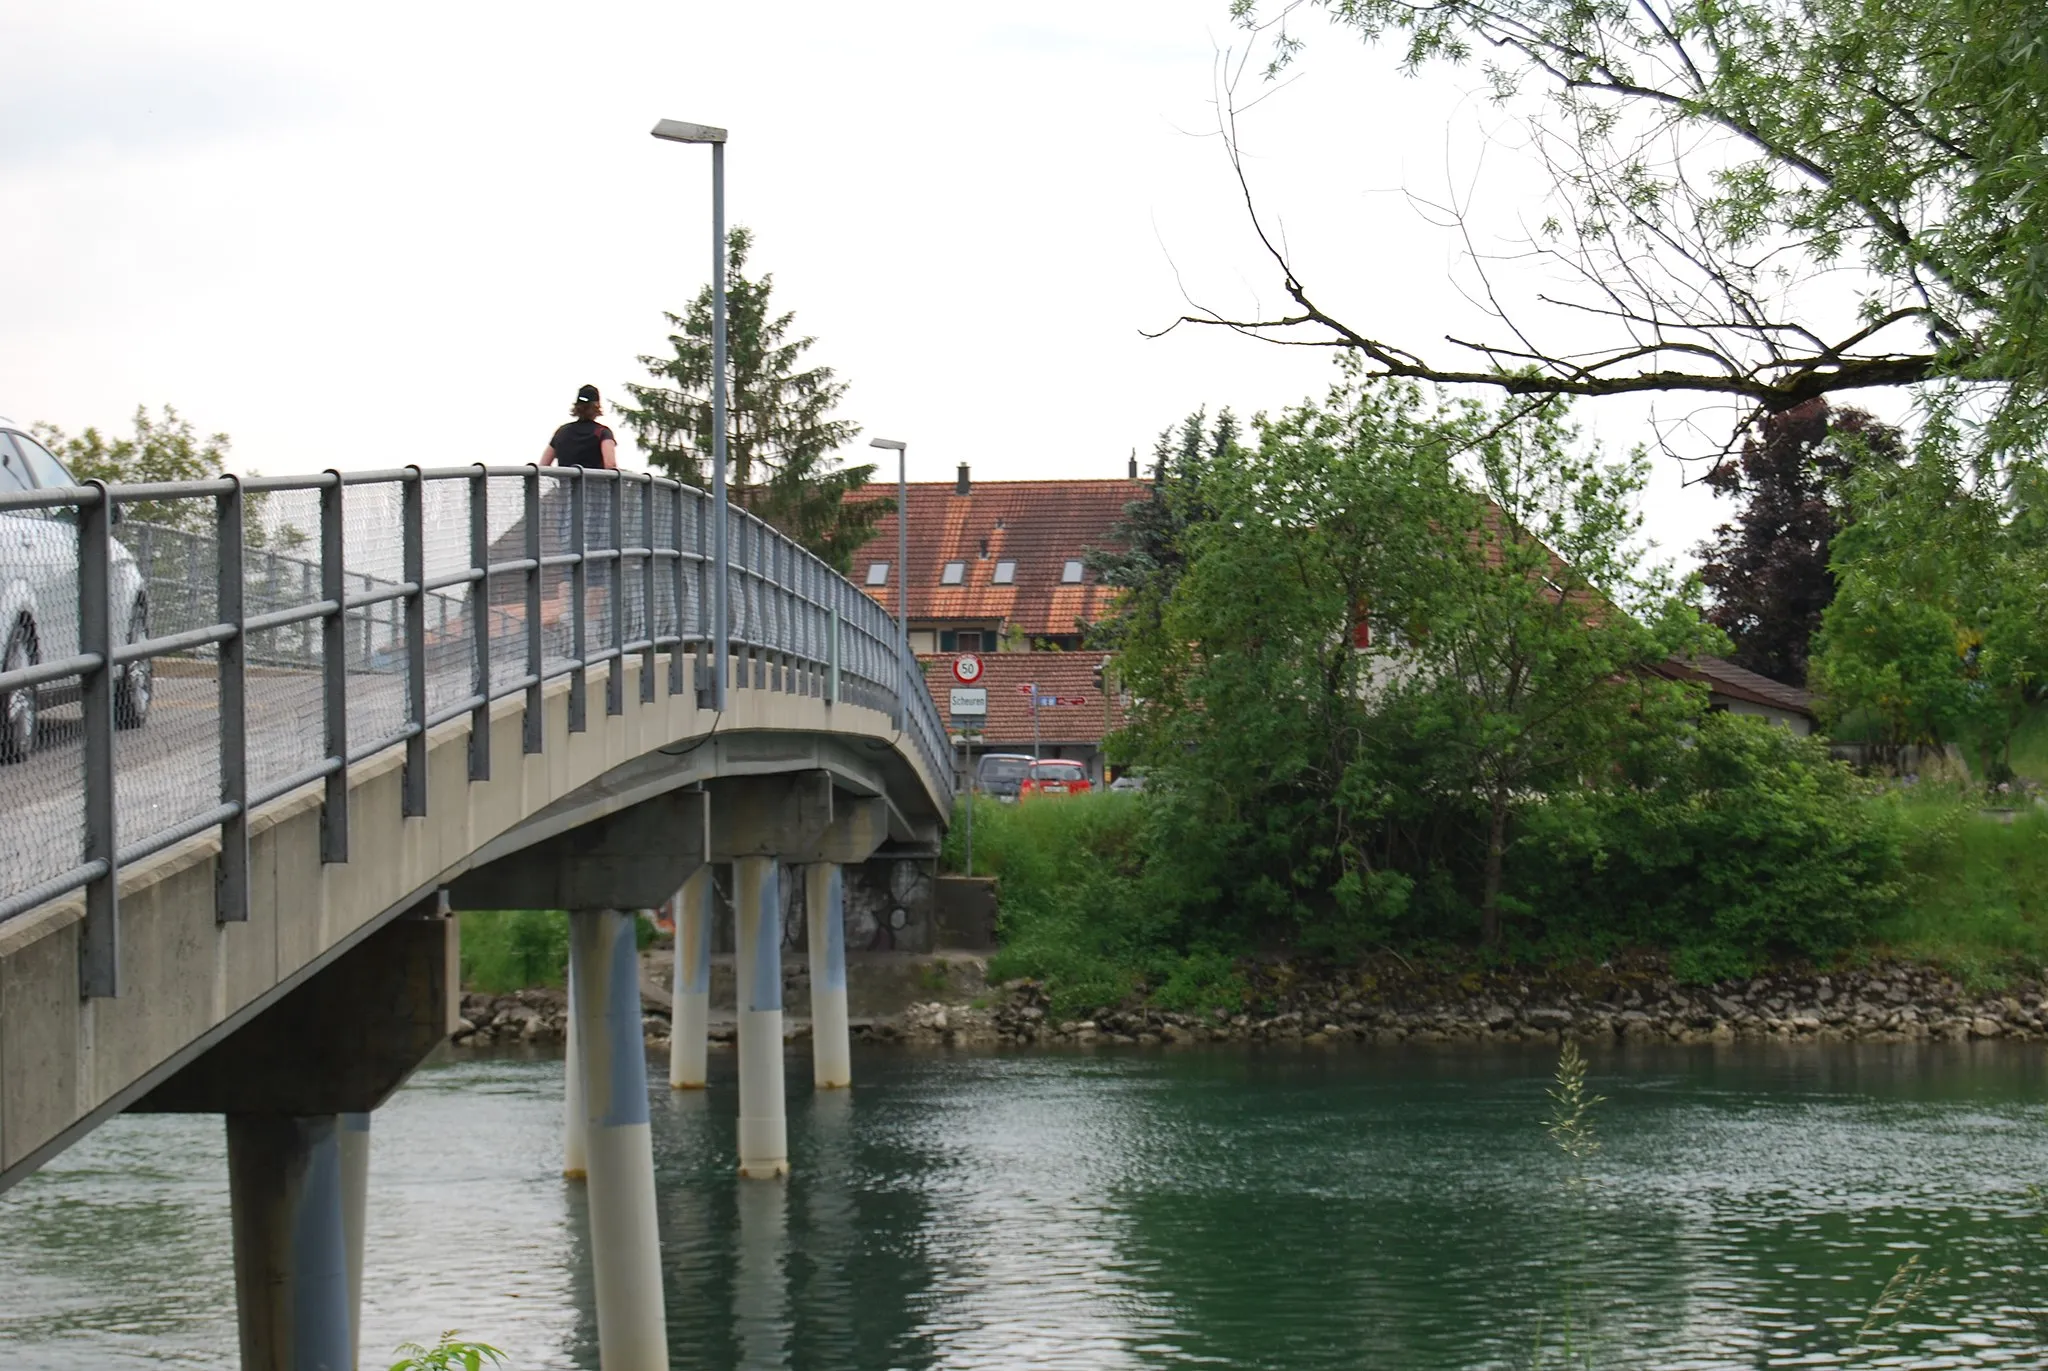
902	536
677	131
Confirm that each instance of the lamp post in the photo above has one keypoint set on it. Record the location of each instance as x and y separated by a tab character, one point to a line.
902	536
677	131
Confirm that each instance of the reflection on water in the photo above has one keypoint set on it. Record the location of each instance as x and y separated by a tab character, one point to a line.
1285	1210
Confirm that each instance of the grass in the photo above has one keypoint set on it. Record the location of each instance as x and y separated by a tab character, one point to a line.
1976	899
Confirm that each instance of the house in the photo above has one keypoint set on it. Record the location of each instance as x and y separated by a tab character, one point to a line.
997	567
1740	691
1045	704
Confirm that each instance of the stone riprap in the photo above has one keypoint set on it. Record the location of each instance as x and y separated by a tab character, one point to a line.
1879	1004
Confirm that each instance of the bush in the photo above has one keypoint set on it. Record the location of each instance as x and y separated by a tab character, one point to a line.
1733	842
1079	910
514	949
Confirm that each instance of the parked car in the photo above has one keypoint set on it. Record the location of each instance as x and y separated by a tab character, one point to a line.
1055	778
1130	780
39	599
1001	773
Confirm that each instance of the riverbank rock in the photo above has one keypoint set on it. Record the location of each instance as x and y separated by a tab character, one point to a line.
1391	1002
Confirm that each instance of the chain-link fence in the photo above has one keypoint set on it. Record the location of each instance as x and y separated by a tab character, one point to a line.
164	678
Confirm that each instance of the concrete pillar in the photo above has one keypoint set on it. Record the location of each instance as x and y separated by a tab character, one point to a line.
575	1163
825	908
355	1205
760	1279
757	914
625	1250
291	1248
692	1009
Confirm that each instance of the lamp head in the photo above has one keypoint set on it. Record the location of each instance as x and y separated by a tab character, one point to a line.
677	131
890	443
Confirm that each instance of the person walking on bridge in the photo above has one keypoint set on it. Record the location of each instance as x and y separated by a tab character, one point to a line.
584	442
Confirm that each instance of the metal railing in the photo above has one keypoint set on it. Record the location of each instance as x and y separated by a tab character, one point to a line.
370	608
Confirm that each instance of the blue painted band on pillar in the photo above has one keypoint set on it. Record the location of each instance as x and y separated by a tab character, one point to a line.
615	1060
698	953
835	929
322	1333
767	987
625	1037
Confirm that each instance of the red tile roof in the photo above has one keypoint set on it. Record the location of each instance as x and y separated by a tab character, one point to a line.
1038	524
1005	675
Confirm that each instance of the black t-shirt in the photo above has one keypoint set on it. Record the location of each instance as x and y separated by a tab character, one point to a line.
580	443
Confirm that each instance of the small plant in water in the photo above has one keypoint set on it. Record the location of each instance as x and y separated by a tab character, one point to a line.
1570	1126
451	1353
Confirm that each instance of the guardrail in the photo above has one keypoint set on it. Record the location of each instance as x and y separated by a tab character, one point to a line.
412	597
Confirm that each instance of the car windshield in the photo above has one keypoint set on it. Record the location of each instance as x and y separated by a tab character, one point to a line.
1004	768
1058	771
48	471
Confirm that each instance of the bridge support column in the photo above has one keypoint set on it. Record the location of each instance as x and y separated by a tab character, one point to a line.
355	1205
604	970
825	908
757	914
575	1150
688	1028
292	1286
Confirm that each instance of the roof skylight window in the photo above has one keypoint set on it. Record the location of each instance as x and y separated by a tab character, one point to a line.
1005	574
878	573
1071	574
954	573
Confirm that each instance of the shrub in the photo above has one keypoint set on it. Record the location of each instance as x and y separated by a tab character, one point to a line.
513	949
1731	842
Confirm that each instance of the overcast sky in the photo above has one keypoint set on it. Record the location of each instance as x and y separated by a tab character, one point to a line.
383	233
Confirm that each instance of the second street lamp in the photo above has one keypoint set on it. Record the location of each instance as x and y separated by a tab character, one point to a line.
677	131
902	535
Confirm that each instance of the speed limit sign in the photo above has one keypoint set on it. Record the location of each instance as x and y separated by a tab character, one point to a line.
967	668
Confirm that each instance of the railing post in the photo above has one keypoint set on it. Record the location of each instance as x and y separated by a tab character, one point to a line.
676	657
832	659
334	672
579	584
231	885
480	622
535	722
99	944
647	591
413	497
615	596
707	686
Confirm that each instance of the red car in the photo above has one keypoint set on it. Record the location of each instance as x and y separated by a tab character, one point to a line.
1054	778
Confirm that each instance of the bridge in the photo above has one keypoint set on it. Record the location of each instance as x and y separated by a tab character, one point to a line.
265	735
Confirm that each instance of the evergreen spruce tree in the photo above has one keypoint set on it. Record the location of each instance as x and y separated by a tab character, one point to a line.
780	433
1149	557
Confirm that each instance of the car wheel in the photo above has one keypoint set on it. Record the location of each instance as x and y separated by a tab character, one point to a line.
137	685
18	707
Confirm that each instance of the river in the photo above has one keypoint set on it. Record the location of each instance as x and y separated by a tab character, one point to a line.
1284	1209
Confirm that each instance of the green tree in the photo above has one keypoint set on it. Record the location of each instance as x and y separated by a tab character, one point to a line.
164	448
1720	168
1148	556
1936	634
780	429
1525	648
1399	623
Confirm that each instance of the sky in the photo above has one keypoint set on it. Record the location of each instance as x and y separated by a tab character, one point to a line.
377	234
